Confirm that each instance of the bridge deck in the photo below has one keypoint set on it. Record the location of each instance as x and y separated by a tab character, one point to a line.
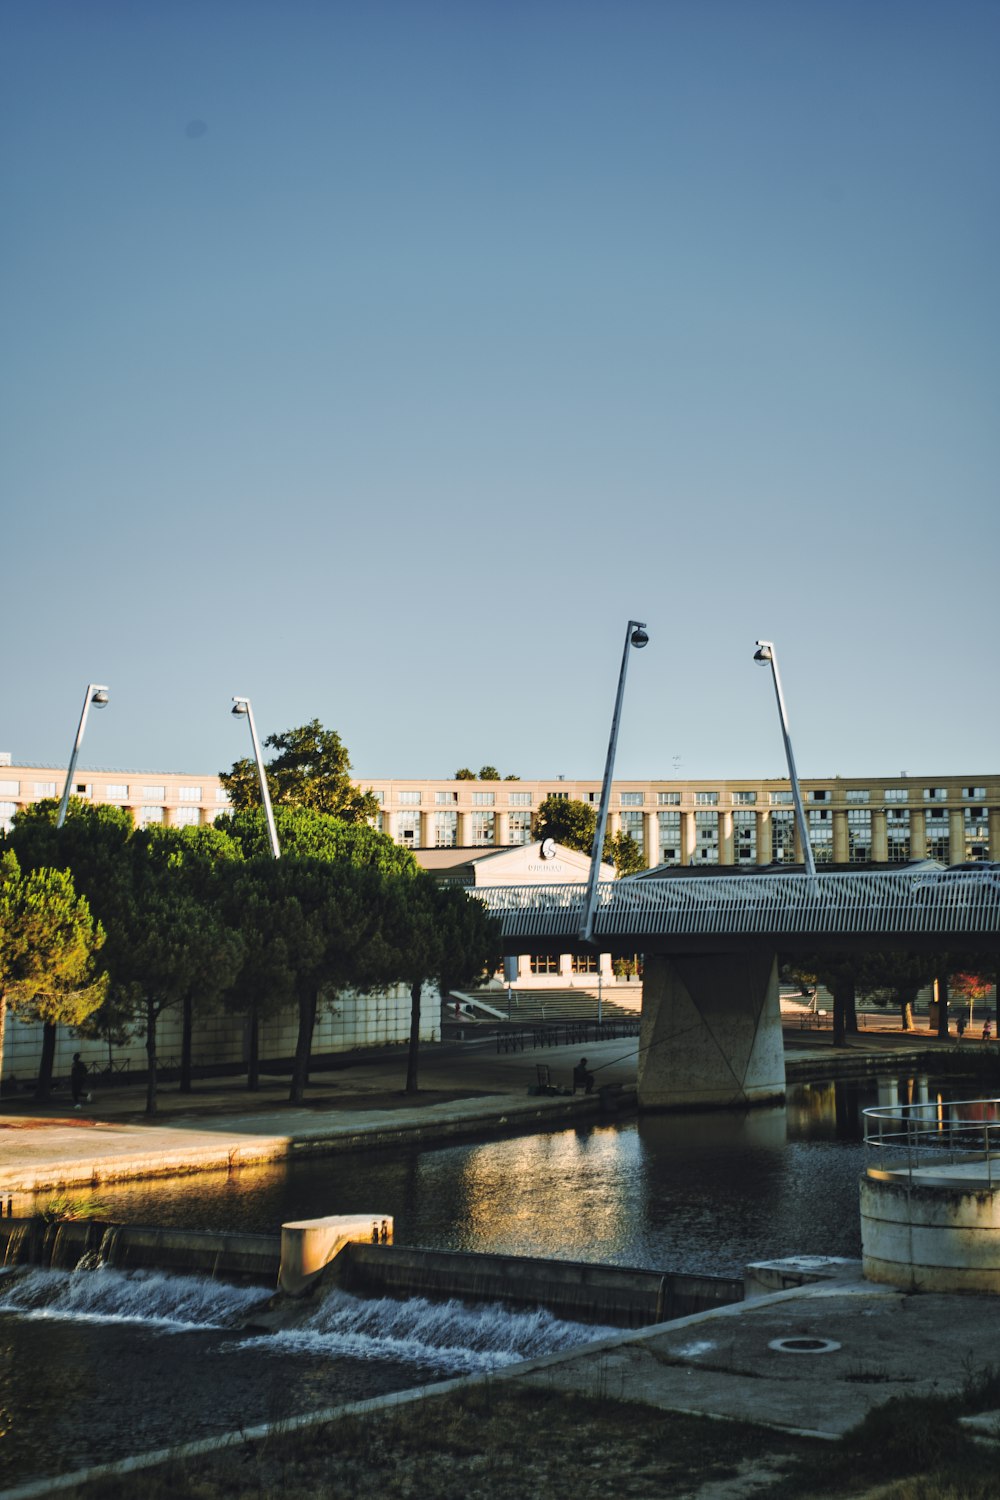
893	906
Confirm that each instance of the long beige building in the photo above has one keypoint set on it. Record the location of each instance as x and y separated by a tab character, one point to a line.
740	822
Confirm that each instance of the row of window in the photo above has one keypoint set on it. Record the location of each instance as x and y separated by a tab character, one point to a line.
412	798
111	792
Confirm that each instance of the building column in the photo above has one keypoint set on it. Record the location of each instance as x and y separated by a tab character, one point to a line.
918	833
687	837
995	833
765	846
711	1032
841	843
651	839
880	844
725	837
614	823
501	828
956	835
464	830
426	829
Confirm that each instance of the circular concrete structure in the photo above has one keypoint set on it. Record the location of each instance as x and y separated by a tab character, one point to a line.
932	1230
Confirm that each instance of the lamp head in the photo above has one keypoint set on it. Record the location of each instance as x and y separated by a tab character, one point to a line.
639	638
764	652
99	697
239	707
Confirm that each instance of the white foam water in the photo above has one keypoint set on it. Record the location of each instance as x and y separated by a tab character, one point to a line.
452	1337
144	1297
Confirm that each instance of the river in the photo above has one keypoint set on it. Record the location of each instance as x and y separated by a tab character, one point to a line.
94	1365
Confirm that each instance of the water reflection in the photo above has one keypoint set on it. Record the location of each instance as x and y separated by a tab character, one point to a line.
701	1192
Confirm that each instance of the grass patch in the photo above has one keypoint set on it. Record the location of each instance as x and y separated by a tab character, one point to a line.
504	1440
489	1442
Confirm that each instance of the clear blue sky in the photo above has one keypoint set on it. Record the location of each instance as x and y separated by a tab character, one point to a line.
380	360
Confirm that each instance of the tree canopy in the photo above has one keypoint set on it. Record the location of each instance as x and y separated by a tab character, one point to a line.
49	947
311	769
572	823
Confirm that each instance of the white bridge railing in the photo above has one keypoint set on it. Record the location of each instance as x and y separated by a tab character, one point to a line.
870	901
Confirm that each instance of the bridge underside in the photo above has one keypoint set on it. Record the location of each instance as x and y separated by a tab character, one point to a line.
711	1031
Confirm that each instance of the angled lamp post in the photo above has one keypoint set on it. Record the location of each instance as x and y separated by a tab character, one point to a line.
635	635
96	694
241	707
766	654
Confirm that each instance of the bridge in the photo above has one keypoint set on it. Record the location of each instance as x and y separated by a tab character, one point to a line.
711	1023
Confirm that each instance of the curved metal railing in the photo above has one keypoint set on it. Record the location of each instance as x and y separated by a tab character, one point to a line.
870	901
909	1138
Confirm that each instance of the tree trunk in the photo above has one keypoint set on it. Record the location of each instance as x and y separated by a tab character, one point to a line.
413	1055
303	1047
150	1058
43	1087
253	1049
186	1023
942	996
906	1014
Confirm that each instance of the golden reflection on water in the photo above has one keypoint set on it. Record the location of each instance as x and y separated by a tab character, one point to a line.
579	1175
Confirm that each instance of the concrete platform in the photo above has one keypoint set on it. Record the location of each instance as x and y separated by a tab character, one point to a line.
725	1364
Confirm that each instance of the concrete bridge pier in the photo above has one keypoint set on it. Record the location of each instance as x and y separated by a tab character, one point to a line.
711	1032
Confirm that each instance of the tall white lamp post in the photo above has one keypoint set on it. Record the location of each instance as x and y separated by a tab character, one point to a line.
765	654
97	695
241	707
635	635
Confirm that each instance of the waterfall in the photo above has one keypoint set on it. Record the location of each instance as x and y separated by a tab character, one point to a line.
143	1297
449	1337
15	1242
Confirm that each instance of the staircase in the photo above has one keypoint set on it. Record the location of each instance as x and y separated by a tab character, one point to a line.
530	1007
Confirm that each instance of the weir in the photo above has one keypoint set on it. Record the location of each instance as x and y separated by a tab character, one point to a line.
579	1291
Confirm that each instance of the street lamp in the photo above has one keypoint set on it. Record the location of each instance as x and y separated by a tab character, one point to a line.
97	695
635	635
240	707
766	654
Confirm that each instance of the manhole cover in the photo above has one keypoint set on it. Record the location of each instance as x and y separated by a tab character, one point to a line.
803	1346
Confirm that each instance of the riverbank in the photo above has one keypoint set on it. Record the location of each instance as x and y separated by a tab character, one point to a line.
468	1090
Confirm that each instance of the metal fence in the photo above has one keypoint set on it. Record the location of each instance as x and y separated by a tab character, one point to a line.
908	1138
564	1034
870	901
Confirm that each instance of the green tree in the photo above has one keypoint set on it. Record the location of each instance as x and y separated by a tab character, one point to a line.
573	823
197	860
311	769
489	773
328	919
442	935
464	774
49	952
315	835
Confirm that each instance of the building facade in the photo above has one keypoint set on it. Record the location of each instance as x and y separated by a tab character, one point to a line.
852	820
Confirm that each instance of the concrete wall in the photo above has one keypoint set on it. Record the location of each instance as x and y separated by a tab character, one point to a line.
937	1235
351	1021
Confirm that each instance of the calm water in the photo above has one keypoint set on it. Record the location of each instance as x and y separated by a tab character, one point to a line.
699	1193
